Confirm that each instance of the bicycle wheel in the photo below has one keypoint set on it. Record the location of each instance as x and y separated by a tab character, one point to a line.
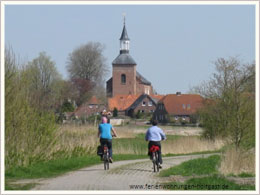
157	161
108	165
105	161
154	162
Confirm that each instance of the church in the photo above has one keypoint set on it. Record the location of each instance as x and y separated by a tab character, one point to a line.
127	90
125	79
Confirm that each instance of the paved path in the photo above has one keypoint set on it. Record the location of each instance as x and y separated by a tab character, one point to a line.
121	175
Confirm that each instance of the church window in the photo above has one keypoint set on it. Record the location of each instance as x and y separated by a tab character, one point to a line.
123	79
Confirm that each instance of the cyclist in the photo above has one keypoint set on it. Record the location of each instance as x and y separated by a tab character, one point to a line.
104	133
154	135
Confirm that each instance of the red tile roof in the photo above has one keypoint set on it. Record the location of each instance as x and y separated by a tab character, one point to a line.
158	97
184	104
121	102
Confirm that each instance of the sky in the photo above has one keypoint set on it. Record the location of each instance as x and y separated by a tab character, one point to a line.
174	45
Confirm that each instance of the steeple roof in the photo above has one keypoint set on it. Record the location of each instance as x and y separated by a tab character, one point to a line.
124	59
124	35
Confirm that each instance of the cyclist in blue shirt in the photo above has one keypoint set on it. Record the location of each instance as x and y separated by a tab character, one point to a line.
104	133
154	135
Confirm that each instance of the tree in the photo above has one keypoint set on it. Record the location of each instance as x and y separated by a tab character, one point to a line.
87	62
44	82
82	89
87	68
229	106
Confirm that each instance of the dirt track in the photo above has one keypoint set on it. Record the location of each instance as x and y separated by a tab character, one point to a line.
121	175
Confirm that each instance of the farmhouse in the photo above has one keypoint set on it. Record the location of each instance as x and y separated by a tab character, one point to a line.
177	107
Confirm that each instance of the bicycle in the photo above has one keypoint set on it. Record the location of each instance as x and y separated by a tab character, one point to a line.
106	157
154	157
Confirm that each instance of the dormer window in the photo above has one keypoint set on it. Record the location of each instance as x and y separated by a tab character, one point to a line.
123	79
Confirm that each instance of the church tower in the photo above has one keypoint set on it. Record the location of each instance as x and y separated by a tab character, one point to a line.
124	68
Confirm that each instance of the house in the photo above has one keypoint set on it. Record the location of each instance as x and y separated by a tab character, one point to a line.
125	79
121	103
130	104
91	107
177	107
144	103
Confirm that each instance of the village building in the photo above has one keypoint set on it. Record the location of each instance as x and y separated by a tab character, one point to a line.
91	107
177	107
129	105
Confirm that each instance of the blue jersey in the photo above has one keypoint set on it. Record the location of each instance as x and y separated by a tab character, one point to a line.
105	130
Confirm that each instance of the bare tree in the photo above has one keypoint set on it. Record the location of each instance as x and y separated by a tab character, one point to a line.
87	69
87	62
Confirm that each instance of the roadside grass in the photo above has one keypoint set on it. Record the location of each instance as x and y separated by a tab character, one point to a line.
237	162
28	186
214	182
243	175
200	166
51	168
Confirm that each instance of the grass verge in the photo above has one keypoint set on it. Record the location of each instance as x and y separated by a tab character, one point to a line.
28	186
200	166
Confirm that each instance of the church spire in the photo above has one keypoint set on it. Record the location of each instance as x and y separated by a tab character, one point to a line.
124	40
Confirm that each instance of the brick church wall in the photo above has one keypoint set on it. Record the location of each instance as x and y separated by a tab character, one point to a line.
130	86
140	88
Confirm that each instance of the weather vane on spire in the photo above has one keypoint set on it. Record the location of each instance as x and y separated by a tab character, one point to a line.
124	14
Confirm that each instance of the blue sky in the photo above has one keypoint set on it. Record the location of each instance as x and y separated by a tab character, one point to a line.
174	45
